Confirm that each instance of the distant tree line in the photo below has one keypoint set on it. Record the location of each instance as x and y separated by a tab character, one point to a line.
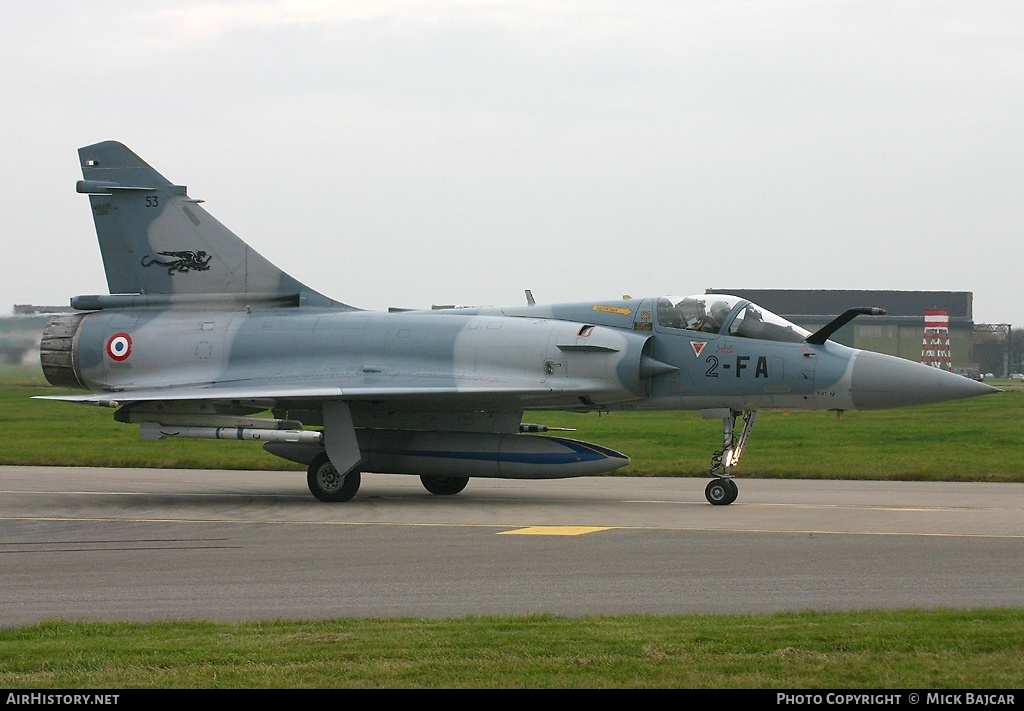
998	349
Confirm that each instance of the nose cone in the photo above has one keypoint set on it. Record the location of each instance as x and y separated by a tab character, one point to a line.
881	381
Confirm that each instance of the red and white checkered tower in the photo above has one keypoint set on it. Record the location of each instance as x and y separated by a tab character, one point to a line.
935	346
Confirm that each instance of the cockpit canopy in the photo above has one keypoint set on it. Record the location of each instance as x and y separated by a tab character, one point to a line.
720	313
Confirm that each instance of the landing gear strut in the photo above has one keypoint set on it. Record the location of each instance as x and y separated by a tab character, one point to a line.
722	490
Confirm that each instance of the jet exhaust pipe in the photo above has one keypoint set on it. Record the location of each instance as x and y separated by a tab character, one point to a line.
468	454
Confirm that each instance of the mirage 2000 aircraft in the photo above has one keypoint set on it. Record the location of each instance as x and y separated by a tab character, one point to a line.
200	334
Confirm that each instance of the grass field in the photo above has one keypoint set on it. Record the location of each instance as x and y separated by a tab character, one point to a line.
980	439
913	649
974	440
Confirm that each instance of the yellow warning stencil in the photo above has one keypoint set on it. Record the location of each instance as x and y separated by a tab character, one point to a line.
613	310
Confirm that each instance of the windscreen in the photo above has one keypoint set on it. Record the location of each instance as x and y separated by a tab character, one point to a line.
711	313
757	322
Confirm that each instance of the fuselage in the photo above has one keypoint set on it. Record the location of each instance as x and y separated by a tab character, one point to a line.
609	355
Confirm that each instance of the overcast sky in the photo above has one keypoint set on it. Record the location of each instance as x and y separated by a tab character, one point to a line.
402	153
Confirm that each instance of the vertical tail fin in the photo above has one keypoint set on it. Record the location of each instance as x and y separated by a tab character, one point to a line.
155	240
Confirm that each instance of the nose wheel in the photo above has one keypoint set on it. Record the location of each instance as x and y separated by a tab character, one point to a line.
721	491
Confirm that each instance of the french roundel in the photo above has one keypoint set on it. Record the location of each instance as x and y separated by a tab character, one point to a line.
119	347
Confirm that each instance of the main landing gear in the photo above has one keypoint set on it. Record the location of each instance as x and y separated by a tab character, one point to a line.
722	490
327	484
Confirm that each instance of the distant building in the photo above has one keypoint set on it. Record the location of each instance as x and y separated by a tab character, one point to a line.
898	332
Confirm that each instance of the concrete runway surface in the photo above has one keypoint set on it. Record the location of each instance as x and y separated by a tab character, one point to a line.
147	544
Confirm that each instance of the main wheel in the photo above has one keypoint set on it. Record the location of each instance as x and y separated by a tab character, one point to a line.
721	492
444	485
326	484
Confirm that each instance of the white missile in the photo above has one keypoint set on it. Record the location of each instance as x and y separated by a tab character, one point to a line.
155	430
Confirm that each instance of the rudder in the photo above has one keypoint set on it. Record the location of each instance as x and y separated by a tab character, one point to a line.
156	240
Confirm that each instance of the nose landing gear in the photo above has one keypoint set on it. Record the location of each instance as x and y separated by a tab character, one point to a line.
722	490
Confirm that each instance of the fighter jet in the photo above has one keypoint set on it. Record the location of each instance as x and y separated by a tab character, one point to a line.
201	336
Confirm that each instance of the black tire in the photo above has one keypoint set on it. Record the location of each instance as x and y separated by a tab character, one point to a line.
444	485
721	492
327	485
733	490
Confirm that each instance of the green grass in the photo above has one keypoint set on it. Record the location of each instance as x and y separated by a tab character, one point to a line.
40	432
978	649
967	440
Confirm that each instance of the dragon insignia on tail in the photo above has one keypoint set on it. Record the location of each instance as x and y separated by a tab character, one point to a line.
186	261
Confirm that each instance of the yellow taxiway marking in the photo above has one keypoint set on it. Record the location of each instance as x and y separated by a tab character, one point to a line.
555	530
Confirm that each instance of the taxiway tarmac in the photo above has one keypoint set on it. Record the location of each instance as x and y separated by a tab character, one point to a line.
145	544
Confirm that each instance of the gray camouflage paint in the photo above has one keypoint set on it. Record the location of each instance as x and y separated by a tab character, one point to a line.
197	316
